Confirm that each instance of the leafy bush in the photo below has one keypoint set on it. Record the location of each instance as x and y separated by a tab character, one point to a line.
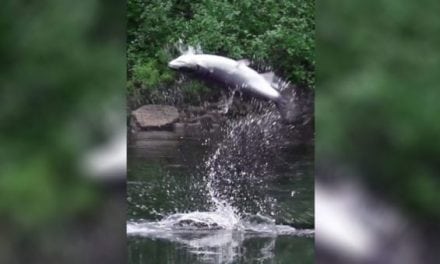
378	104
149	74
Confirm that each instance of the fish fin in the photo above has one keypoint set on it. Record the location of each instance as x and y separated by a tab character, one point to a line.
269	76
243	62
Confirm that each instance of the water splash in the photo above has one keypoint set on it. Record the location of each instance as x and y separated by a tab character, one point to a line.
212	237
235	180
238	171
188	49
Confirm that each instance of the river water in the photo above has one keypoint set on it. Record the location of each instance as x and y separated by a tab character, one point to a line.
239	193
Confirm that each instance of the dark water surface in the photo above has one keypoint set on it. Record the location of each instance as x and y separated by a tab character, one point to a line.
216	197
281	249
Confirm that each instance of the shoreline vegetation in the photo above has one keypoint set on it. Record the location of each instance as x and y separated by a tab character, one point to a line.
282	38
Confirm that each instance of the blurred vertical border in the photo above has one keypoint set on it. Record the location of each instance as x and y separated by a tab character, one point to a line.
62	113
378	131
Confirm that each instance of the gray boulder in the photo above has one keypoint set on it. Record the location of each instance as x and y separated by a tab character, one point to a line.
155	116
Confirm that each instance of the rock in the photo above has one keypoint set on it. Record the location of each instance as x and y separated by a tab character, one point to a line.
155	135
196	110
155	116
179	129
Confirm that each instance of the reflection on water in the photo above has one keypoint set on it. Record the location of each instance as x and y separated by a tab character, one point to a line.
217	237
222	199
221	246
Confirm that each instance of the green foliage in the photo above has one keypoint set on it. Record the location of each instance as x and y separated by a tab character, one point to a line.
277	33
149	74
378	104
60	70
193	90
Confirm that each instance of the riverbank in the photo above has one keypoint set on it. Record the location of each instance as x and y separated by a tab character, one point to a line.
169	120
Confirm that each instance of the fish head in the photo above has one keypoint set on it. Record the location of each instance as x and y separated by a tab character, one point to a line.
184	62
